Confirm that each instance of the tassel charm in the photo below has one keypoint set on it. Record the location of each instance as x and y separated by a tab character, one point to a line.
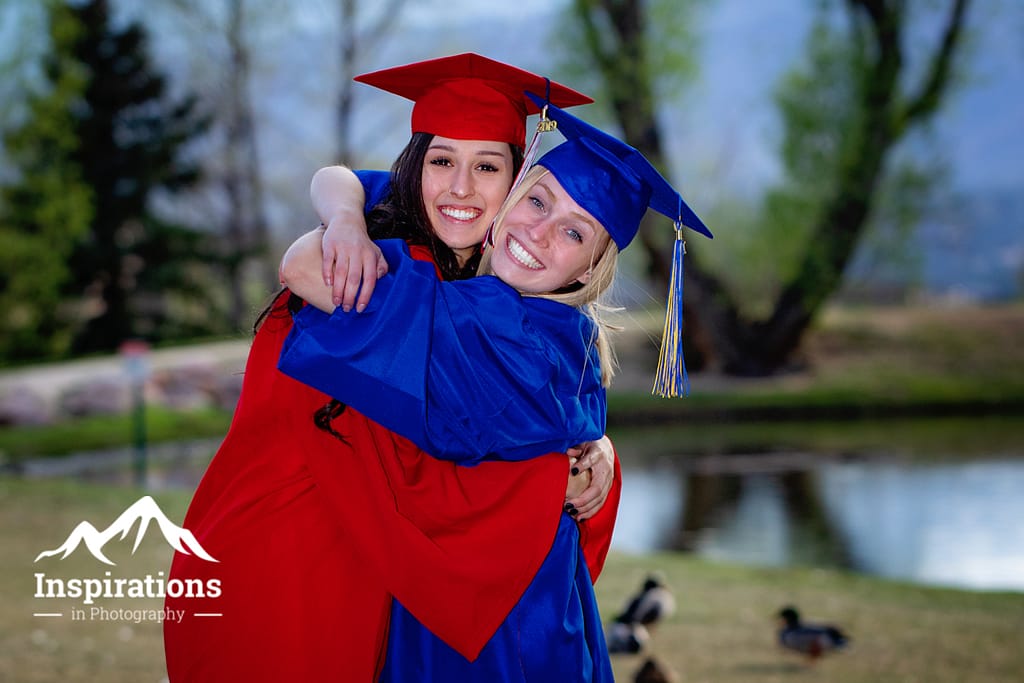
544	125
671	380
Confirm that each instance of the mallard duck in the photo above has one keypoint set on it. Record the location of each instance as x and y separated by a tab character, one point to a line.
653	603
812	640
630	630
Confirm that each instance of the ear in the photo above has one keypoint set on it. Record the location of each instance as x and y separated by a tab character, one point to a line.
585	278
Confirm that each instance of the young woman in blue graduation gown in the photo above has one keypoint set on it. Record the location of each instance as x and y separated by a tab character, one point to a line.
482	372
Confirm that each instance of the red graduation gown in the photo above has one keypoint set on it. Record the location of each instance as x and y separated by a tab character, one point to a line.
313	536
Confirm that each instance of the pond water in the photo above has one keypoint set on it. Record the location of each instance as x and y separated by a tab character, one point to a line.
950	518
935	504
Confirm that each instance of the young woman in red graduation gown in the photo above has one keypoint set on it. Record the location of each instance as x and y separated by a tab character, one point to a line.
310	548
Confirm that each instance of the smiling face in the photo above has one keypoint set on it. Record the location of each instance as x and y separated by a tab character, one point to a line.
546	241
464	184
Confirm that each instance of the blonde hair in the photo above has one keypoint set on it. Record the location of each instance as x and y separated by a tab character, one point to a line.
586	298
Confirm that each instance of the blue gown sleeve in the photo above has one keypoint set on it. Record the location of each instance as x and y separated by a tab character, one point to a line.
466	370
376	186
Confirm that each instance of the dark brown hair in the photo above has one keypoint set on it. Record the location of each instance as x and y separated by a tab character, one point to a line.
402	214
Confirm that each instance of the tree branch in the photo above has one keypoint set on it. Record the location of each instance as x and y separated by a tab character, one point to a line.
388	14
875	9
928	99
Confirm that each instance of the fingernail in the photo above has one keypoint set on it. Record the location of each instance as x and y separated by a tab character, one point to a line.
574	512
575	471
360	308
569	506
346	308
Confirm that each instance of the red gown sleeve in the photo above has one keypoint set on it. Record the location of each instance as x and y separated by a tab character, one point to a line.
596	532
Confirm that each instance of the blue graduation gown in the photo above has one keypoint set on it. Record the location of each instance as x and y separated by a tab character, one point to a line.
466	370
470	371
376	187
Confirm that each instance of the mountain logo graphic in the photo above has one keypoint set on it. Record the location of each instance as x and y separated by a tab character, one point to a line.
144	510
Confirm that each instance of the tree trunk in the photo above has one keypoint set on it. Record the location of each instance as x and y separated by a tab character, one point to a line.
347	48
247	232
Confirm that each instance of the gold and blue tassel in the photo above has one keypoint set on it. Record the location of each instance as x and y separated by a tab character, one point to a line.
671	380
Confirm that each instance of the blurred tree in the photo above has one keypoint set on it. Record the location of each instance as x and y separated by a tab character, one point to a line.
837	164
131	143
225	39
45	210
352	44
231	48
247	233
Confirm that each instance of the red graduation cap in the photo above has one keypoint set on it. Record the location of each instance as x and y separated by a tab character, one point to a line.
471	97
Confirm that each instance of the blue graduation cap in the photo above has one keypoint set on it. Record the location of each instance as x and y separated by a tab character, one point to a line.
616	184
610	179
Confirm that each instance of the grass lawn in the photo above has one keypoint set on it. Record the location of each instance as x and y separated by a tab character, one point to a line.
723	631
39	515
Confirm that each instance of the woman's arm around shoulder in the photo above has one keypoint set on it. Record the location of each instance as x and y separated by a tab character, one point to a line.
474	374
299	272
350	263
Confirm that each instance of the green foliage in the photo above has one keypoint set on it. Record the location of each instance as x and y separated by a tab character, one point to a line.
110	431
99	139
174	292
815	102
818	102
133	144
44	213
597	54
